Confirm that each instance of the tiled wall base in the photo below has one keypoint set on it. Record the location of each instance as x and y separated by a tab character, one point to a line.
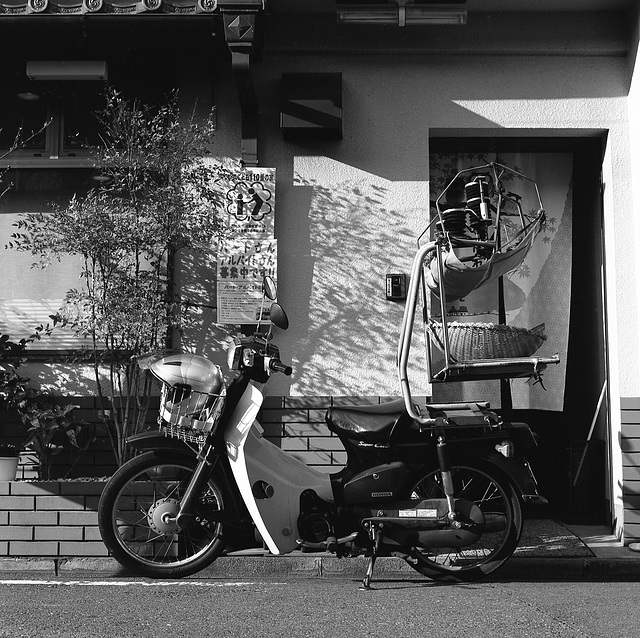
55	519
630	444
50	518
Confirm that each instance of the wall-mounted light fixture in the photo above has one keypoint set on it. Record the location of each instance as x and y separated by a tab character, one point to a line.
28	96
402	12
311	106
66	69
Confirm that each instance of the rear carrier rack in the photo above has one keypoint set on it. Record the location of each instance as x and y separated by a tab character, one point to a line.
472	244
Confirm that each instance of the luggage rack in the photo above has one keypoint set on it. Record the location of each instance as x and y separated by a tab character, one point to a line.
482	369
452	370
428	276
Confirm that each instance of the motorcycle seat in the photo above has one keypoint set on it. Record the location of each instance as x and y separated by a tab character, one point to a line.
367	423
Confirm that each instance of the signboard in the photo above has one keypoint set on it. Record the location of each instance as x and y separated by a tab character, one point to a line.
250	251
241	268
249	196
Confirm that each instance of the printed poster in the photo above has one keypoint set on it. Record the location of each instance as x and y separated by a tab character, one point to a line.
249	196
241	267
249	252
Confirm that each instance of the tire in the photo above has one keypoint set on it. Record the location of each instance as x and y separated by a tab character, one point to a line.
496	497
130	517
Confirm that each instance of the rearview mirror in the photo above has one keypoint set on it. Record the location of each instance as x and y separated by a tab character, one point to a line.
278	316
269	288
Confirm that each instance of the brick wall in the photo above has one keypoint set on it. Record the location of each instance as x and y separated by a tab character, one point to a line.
630	444
59	518
97	461
50	518
297	424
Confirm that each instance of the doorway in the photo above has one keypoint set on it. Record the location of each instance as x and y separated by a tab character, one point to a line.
570	462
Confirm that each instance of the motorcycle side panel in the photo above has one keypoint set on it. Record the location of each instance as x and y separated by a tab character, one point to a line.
270	480
378	484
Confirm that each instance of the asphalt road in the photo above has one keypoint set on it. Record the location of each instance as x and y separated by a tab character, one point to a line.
326	607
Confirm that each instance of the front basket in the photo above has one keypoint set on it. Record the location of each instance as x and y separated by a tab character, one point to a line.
187	414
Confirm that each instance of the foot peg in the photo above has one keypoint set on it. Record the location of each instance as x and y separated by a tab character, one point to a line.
330	544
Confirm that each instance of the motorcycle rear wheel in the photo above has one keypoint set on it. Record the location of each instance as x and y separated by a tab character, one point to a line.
496	497
135	518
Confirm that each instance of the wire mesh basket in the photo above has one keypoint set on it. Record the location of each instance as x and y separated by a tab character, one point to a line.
475	341
187	414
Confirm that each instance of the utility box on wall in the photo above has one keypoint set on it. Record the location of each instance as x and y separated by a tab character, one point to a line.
311	106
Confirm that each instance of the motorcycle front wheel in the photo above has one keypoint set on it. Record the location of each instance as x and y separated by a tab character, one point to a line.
496	498
137	511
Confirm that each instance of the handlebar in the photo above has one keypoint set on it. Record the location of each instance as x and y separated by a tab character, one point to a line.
277	366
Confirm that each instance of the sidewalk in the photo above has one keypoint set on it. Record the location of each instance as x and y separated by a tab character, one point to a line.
607	560
548	551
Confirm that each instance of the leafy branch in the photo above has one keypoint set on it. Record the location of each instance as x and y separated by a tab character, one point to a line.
156	197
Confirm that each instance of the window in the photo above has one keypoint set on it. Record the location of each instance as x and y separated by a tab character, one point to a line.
29	295
55	121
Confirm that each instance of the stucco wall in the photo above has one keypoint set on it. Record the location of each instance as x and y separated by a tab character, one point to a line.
630	386
625	388
347	212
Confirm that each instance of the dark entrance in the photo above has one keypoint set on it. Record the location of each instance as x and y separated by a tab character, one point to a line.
571	460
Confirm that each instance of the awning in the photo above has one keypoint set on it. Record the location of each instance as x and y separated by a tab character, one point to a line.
12	8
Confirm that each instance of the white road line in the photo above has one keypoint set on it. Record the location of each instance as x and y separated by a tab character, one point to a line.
126	583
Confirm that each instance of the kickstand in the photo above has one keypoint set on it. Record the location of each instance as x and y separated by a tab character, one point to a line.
377	538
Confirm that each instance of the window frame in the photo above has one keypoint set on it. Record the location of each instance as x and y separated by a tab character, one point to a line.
54	151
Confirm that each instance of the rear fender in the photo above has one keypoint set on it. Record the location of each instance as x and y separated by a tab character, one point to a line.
520	474
521	435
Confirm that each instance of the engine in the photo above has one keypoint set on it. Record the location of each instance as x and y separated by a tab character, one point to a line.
317	520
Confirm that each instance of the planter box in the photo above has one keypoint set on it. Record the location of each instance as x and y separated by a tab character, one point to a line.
8	467
50	518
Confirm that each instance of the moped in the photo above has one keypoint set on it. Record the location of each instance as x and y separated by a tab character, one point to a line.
438	485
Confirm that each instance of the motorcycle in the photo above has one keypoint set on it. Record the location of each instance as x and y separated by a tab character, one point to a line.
440	486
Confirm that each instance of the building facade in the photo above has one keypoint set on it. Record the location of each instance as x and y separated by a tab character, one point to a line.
352	118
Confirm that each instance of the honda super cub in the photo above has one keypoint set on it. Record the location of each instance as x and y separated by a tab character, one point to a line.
440	487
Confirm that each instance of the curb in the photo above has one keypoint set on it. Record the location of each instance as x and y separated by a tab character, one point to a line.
321	566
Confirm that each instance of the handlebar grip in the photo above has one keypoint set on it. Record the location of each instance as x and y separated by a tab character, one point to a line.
277	366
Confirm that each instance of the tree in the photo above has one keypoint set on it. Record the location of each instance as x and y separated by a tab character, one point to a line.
154	199
19	141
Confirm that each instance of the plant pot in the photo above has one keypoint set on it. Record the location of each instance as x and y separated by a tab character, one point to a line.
8	468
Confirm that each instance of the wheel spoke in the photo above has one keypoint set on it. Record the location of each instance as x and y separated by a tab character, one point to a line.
138	522
486	500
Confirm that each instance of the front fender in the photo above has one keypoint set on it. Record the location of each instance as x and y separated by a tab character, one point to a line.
236	514
155	441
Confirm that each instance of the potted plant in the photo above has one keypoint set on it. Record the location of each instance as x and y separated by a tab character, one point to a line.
9	457
12	392
50	426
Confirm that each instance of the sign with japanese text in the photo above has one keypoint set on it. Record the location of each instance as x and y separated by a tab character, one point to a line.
249	252
241	268
249	198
